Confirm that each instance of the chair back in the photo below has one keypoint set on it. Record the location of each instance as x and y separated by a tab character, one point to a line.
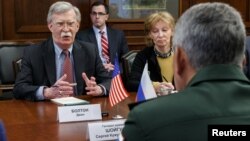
127	61
10	51
17	66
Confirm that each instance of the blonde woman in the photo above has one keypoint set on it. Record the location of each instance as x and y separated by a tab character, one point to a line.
159	29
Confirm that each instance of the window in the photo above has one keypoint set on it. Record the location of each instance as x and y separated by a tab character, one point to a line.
139	9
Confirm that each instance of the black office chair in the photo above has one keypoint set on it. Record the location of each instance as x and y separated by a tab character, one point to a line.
127	61
10	51
17	66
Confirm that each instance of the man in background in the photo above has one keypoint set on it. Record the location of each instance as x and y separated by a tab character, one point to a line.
61	66
101	35
209	45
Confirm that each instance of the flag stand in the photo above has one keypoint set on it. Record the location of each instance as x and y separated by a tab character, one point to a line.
117	116
104	108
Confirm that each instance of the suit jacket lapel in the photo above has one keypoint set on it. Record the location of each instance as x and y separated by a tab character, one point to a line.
49	62
79	66
112	45
155	63
92	37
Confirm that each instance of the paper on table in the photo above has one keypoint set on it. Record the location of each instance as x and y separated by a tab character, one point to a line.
68	101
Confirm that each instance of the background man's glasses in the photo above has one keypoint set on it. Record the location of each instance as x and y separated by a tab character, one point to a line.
97	14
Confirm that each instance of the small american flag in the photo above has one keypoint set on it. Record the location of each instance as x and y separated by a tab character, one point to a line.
117	91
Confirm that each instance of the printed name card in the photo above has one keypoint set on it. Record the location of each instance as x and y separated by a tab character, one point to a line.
79	113
107	130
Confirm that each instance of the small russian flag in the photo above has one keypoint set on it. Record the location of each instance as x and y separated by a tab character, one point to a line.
146	89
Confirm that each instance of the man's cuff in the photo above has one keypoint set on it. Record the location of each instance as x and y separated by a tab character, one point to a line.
104	92
39	93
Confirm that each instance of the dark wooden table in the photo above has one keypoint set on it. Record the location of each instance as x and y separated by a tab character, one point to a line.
37	121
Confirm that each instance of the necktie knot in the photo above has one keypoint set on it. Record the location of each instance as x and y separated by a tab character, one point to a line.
101	32
66	53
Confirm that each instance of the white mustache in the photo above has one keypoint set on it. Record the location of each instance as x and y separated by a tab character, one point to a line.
68	34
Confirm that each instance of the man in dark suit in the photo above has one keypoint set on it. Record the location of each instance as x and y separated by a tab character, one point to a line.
247	55
209	45
44	74
117	44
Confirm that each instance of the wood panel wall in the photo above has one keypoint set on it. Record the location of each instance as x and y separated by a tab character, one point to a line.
1	21
26	19
243	6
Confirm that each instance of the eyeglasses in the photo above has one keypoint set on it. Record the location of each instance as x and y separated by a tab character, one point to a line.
62	24
97	14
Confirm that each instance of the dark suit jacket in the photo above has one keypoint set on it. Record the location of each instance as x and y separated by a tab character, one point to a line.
116	39
247	54
39	68
147	54
218	94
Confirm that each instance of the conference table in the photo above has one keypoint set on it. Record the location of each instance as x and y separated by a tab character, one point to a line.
37	121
